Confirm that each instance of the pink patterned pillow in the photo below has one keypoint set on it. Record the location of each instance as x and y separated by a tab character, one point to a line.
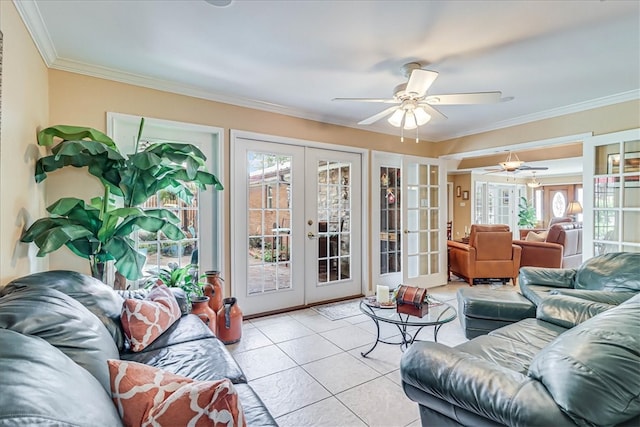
145	320
148	396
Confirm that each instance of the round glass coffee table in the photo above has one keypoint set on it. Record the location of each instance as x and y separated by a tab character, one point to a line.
439	314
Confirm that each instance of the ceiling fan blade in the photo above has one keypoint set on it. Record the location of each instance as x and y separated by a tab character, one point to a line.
432	111
465	98
378	116
382	100
420	81
533	168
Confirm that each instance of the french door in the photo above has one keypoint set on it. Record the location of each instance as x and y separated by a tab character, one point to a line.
296	224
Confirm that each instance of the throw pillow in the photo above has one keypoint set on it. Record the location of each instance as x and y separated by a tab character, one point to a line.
145	320
145	395
532	236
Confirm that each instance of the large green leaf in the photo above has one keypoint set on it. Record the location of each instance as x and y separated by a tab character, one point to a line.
53	238
129	262
45	136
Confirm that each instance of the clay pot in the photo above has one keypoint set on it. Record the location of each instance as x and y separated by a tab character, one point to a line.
200	307
229	321
214	289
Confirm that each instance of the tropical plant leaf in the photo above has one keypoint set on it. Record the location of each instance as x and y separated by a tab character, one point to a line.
129	262
65	132
52	239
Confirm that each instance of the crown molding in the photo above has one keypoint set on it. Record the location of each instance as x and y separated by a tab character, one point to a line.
30	14
554	112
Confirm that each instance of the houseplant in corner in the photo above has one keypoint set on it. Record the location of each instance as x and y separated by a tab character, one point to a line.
101	230
526	214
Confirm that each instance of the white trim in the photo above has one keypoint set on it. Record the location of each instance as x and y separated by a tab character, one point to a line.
30	14
552	113
578	137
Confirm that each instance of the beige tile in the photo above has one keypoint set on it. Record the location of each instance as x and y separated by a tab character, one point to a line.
287	391
307	349
340	372
326	413
284	331
384	358
318	323
263	361
385	405
349	337
251	339
395	377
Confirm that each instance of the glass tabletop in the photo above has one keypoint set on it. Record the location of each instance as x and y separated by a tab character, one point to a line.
439	313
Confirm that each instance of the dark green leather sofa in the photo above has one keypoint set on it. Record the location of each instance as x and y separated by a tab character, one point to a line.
57	329
576	363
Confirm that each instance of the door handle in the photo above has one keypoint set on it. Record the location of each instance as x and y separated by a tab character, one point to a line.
310	235
407	231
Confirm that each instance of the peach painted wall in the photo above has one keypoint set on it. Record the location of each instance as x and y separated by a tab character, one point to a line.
81	100
25	108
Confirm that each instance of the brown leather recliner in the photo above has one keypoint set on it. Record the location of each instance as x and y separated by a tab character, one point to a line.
562	247
490	254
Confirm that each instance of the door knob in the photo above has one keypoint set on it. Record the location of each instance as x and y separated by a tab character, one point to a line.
311	235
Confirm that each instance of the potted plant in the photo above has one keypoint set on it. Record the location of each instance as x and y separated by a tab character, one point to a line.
526	214
185	278
101	230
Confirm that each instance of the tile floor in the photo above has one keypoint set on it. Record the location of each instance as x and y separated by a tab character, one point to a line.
308	369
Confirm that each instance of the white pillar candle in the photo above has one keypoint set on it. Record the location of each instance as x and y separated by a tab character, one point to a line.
382	295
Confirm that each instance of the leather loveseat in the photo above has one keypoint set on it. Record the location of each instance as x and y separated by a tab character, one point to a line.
57	330
559	247
576	363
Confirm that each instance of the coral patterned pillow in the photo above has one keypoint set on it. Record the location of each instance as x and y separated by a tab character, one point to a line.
148	396
145	320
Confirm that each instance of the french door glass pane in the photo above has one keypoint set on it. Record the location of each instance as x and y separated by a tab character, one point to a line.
390	215
269	221
334	216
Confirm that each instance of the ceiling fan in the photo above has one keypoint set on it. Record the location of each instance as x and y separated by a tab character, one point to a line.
514	164
413	107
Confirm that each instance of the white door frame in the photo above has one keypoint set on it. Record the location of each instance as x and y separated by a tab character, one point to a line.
211	256
235	231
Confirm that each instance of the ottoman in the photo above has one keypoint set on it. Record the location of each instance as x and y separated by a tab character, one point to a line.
483	310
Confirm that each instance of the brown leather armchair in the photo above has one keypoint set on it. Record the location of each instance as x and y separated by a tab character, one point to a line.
490	254
562	247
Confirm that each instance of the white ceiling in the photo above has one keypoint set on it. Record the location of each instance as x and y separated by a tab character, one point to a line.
293	57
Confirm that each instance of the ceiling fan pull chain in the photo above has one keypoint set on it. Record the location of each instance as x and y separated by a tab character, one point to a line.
417	139
402	134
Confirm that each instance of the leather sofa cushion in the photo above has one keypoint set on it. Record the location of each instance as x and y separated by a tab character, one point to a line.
64	323
42	386
569	311
97	297
489	304
616	271
492	246
190	349
592	372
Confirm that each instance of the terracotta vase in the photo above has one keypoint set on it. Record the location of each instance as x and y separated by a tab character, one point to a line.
200	307
229	321
214	289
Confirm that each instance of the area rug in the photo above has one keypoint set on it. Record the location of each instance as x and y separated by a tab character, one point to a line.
339	310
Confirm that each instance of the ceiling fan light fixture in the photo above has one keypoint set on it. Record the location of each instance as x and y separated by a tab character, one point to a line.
422	117
512	163
410	121
396	118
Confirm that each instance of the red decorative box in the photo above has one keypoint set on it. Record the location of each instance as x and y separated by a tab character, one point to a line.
412	300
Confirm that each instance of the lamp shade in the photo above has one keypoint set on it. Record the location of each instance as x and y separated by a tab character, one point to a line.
396	118
410	120
574	208
422	117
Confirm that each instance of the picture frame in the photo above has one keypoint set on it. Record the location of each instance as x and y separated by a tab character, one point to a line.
458	191
465	195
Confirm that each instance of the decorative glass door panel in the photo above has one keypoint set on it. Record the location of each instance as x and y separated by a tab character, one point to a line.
423	248
333	212
269	245
390	220
616	193
334	216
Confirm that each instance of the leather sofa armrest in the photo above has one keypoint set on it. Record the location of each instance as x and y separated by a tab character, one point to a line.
568	311
458	245
541	254
605	297
479	386
555	277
